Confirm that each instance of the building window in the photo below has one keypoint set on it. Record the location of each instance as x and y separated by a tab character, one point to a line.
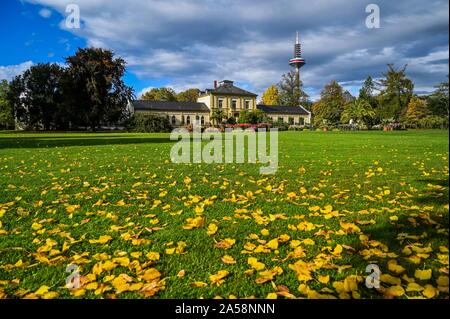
233	104
202	121
247	105
197	119
301	121
280	120
174	120
182	119
291	120
220	103
188	120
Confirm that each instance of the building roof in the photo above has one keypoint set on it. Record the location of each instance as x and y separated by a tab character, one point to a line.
143	105
278	109
227	87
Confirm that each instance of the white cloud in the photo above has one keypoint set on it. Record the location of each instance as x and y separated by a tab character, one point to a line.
8	72
192	43
45	13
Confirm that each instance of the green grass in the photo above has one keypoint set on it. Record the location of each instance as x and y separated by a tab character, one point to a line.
43	174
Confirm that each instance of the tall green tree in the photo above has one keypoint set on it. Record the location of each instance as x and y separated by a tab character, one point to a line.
438	102
271	96
6	110
397	90
160	94
331	104
367	91
190	95
36	95
95	91
289	92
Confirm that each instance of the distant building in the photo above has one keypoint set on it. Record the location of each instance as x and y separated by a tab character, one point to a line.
228	98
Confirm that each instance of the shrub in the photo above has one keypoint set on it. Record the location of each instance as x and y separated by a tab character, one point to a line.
148	123
433	121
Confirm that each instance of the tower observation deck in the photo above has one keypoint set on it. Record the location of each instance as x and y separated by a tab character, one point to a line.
297	61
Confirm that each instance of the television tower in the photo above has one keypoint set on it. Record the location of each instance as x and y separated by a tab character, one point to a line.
297	61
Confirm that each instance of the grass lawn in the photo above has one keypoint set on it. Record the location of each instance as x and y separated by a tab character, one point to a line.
139	226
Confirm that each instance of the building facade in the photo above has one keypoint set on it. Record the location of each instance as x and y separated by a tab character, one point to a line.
225	97
230	100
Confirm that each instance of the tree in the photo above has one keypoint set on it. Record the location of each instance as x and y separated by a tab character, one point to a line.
416	110
37	95
438	102
271	96
218	115
160	94
330	105
396	93
289	92
367	90
190	95
359	111
95	91
252	117
6	110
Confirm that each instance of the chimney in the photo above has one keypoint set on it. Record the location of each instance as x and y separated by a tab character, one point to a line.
215	84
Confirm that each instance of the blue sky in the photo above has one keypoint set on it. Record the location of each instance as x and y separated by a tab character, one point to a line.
189	43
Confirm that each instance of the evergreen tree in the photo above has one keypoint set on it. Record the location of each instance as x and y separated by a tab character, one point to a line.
396	93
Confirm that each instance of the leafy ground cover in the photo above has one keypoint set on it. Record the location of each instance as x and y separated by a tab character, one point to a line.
140	226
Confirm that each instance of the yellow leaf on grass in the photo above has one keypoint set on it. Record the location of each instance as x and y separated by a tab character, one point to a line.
412	286
218	278
227	259
212	229
429	291
324	279
199	284
101	240
423	274
395	291
442	281
394	267
151	274
71	208
337	250
226	243
42	290
35	226
252	261
308	241
390	279
195	222
273	244
152	255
